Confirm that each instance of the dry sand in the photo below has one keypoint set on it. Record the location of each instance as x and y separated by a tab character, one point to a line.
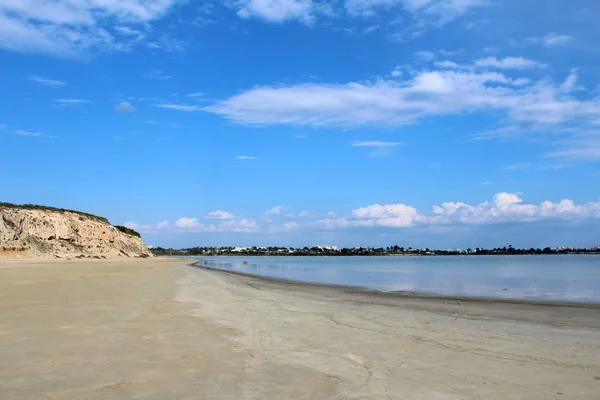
158	329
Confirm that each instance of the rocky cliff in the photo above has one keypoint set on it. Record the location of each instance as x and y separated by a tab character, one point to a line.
44	232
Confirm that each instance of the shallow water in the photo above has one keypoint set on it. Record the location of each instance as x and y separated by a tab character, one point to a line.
547	277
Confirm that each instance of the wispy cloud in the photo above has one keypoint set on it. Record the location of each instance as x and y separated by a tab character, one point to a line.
508	63
181	107
158	74
517	166
375	144
22	132
126	30
399	102
197	94
425	55
549	40
46	81
72	101
73	28
278	11
554	39
246	158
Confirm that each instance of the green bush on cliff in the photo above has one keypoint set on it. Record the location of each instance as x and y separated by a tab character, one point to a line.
127	230
48	208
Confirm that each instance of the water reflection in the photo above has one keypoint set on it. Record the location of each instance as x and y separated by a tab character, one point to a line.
574	278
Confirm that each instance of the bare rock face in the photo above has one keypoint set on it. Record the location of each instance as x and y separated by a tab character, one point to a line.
63	234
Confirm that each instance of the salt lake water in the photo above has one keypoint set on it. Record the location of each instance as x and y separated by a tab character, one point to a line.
544	277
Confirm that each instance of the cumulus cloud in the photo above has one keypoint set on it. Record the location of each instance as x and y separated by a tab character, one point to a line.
504	207
125	106
71	28
274	211
184	222
219	215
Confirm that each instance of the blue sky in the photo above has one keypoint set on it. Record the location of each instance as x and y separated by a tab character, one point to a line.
439	123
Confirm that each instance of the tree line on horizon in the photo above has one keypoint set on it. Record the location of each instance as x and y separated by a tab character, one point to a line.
362	251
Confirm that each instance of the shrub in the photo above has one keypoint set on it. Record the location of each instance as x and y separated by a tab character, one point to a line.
55	209
127	230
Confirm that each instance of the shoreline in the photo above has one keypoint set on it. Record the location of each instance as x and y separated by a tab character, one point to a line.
409	294
561	313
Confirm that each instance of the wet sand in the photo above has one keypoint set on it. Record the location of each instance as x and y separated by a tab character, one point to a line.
159	329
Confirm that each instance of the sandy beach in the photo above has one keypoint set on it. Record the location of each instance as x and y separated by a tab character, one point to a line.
160	329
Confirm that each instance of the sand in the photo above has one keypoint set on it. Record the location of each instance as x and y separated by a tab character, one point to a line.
158	329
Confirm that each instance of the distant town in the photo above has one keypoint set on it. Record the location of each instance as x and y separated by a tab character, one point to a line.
363	251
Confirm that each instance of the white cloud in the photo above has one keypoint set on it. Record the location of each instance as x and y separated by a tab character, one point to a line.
71	28
274	211
163	225
517	166
131	225
371	28
434	11
238	226
305	214
375	144
125	106
583	146
508	63
396	73
554	39
505	207
181	107
278	10
126	30
450	65
22	132
197	94
289	226
425	55
72	101
158	74
42	80
399	102
246	158
187	223
219	215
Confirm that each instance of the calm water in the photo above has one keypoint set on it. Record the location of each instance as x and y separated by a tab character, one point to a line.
568	277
